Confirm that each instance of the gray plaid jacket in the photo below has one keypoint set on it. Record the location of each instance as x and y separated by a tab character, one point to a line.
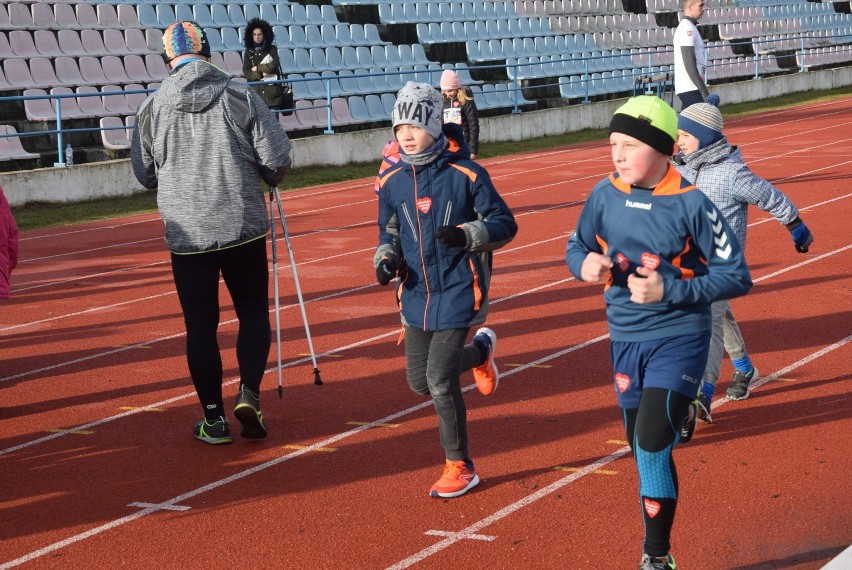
719	171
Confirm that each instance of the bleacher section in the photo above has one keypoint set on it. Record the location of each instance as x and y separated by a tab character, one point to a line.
349	57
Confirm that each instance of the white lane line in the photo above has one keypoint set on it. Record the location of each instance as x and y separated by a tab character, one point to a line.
842	562
163	403
460	536
271	463
82	251
556	485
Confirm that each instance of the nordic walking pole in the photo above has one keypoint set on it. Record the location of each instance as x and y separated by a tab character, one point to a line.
275	288
317	379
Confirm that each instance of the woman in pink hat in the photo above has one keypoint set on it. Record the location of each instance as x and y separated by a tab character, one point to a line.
460	108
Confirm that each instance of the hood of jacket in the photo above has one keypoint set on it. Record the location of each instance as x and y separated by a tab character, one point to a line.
718	152
268	34
193	86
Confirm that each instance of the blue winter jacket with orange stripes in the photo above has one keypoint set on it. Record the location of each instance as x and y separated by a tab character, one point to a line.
442	287
674	229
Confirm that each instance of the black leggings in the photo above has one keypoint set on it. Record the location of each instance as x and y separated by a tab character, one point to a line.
652	431
245	271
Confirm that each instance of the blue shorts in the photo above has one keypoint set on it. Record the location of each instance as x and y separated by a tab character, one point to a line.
675	363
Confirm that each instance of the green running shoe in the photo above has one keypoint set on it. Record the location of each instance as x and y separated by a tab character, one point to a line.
214	433
247	410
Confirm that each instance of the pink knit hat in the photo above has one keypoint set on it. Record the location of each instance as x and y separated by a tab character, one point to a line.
450	80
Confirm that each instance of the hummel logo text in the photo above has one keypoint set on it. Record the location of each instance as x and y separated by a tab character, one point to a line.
640	205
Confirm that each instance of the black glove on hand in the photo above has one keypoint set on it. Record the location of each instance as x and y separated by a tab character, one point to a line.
451	236
386	270
802	236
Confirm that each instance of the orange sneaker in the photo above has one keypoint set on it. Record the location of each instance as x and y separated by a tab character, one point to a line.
459	477
486	375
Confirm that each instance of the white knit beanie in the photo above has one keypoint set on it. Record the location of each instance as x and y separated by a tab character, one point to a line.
419	104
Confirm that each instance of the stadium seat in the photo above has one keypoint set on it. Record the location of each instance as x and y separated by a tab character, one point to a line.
375	108
134	99
115	101
43	16
147	16
45	43
68	105
233	62
107	16
232	40
358	109
90	105
156	67
127	17
38	109
220	16
87	18
134	39
22	45
113	133
20	17
114	42
92	42
340	112
18	74
236	15
11	148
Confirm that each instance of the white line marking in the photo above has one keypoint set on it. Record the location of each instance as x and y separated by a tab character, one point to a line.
842	562
271	463
460	535
556	485
160	506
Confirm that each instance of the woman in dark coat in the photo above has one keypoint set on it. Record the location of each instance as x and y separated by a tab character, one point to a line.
261	63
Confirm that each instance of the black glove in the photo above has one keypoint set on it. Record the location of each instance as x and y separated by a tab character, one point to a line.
802	236
386	270
451	236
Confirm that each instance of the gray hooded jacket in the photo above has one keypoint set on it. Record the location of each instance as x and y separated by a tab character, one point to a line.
207	144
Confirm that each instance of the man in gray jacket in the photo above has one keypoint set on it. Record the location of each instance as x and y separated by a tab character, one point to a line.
207	145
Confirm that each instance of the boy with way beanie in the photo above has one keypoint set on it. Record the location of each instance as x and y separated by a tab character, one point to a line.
440	218
717	168
666	254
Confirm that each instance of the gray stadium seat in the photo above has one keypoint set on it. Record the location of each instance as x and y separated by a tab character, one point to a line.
38	109
68	105
10	147
113	134
22	44
114	42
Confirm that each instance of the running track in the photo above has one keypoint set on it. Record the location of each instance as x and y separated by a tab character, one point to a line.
99	469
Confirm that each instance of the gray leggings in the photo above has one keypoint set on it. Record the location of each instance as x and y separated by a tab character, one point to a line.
434	361
726	334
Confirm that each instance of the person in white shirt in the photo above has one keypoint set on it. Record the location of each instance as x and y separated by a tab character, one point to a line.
690	60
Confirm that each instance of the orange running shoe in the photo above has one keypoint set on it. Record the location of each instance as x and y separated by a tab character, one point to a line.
459	477
486	375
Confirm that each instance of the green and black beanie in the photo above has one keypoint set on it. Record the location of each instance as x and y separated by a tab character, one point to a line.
648	119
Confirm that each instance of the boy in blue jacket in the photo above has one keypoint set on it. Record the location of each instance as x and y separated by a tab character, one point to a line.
449	218
667	253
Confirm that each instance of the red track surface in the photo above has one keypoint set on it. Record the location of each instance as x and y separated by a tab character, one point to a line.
92	346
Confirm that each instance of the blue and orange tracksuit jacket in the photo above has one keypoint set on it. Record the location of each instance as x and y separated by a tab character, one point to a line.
674	229
442	287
